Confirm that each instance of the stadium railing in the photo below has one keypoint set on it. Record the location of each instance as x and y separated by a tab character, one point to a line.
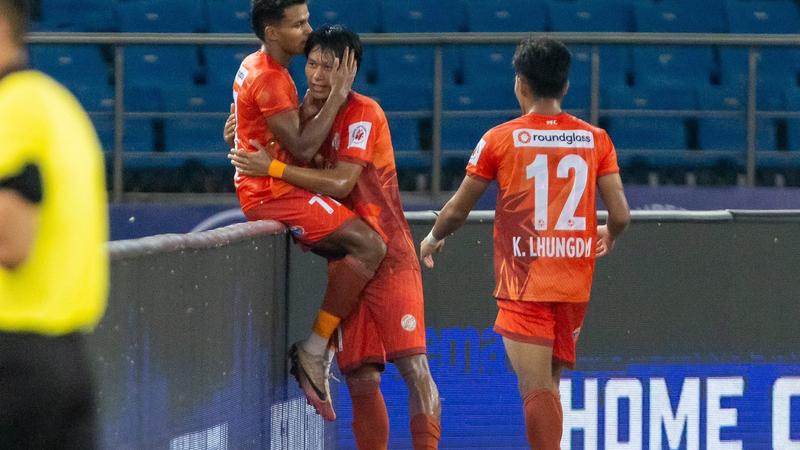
753	43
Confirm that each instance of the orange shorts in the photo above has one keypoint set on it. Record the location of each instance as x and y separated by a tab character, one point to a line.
388	324
309	217
553	324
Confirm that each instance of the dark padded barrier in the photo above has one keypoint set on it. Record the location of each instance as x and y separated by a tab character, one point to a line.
191	352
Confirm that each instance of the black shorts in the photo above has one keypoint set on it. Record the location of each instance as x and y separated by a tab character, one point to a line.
46	393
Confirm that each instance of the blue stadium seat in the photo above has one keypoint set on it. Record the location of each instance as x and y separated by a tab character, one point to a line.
359	15
648	133
95	99
578	100
139	137
72	65
400	97
462	133
793	125
76	16
471	97
408	156
773	16
229	16
222	62
730	133
195	135
394	64
161	65
506	15
488	65
776	66
591	16
418	16
680	16
673	66
160	16
197	99
614	65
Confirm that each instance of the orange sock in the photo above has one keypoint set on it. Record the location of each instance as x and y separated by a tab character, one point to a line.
370	421
346	279
425	432
542	420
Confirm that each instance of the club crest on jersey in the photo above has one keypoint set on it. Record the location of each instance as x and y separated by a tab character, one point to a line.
359	134
336	141
241	75
408	322
476	154
528	137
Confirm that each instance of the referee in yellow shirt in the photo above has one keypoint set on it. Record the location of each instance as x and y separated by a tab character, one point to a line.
53	265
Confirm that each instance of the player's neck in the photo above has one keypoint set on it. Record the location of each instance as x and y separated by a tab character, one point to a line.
11	56
543	107
277	53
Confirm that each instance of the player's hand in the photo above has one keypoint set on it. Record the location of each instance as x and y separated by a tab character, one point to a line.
254	164
309	108
229	132
427	247
343	74
605	243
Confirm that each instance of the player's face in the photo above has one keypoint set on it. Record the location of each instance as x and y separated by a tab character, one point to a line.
318	72
292	32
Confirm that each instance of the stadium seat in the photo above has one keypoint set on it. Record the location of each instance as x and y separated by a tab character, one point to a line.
72	65
726	132
776	66
591	16
418	16
614	65
463	133
673	66
195	135
160	16
95	99
680	16
793	124
400	97
229	16
139	137
405	132
222	62
488	65
393	64
648	133
506	15
359	15
76	16
197	99
161	65
578	100
472	97
772	17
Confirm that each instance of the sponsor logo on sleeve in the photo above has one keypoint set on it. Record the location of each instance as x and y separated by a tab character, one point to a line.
476	154
527	137
359	134
241	75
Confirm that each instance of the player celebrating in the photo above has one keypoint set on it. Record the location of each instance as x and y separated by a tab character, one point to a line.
389	322
546	164
266	108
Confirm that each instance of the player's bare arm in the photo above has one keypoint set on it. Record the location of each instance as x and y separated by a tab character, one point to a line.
19	220
229	132
336	182
452	217
619	216
303	143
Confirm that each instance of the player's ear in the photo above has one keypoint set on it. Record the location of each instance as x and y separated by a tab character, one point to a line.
270	34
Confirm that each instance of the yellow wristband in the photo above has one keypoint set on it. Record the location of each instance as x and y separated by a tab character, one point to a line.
276	169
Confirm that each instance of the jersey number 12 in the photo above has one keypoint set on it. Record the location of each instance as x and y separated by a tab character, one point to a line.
541	184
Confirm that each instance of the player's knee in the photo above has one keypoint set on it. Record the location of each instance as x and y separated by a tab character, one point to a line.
364	381
416	372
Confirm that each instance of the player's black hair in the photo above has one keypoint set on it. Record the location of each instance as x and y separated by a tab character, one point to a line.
334	39
269	12
544	64
17	13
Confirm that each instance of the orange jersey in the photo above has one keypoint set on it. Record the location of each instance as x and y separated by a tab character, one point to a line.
262	88
545	228
360	135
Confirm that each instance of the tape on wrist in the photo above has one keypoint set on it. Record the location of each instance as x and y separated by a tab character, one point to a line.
432	239
276	169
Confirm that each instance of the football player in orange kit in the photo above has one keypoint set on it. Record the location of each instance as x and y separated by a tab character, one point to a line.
389	322
547	165
266	107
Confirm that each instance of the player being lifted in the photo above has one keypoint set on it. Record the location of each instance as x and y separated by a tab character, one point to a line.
266	109
547	165
389	321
